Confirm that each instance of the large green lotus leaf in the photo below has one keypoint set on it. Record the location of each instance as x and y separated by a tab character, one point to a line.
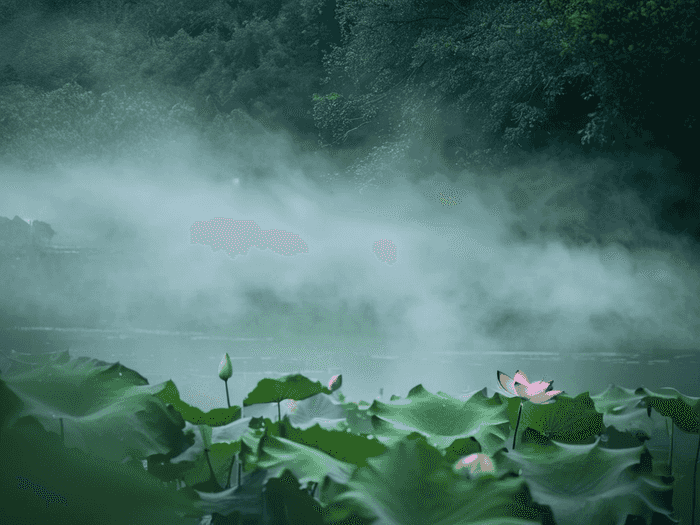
357	418
588	483
443	419
309	413
221	458
295	386
319	409
342	446
227	442
244	499
461	448
413	484
570	420
251	442
216	417
43	482
615	399
669	402
231	433
190	460
623	408
306	463
285	498
612	438
282	501
336	444
106	409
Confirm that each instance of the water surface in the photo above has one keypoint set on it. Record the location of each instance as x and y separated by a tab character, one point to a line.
191	360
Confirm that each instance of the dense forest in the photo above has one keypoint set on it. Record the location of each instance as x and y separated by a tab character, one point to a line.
487	84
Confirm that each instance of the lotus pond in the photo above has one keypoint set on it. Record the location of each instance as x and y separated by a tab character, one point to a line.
87	441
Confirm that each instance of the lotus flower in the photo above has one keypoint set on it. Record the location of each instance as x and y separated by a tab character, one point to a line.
539	392
476	464
519	385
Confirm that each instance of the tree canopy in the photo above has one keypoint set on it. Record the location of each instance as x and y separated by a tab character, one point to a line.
527	72
496	77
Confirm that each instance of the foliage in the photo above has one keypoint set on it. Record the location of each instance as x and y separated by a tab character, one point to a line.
108	413
40	128
490	79
244	55
401	59
263	56
496	71
384	462
632	45
657	27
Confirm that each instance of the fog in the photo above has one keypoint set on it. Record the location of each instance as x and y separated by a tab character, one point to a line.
483	262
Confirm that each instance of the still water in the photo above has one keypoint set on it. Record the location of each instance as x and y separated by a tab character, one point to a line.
191	360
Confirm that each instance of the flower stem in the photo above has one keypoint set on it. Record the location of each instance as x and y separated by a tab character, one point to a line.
227	398
211	469
228	481
670	454
695	474
520	411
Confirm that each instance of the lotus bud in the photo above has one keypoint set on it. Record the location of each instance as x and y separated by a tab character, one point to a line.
330	383
225	368
225	373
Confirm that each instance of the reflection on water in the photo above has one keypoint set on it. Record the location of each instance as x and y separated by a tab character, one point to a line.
191	360
126	333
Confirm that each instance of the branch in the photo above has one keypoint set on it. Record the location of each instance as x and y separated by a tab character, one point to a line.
410	74
414	20
453	4
342	139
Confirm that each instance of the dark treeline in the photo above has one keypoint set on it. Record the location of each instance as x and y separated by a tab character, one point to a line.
500	80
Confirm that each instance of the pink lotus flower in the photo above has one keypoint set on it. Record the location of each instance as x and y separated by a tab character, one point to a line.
539	392
519	385
476	463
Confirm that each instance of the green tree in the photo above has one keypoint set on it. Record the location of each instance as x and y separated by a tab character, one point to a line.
624	26
264	57
497	74
634	44
487	68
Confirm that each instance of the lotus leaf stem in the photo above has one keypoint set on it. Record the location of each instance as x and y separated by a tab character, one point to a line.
228	400
211	469
695	475
670	454
520	411
228	480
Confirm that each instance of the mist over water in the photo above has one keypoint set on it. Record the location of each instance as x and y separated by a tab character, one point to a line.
528	260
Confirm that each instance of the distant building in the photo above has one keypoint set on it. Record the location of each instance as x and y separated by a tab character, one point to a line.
41	232
14	233
19	238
